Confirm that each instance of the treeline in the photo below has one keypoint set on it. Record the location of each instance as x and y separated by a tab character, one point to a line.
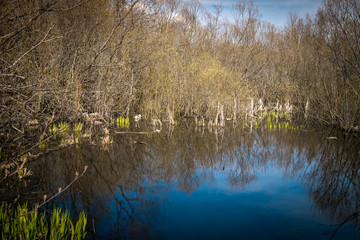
171	58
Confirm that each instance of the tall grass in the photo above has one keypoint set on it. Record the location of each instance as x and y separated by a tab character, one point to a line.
19	223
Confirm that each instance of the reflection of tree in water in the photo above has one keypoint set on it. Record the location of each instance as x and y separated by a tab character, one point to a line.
330	170
134	179
334	179
121	190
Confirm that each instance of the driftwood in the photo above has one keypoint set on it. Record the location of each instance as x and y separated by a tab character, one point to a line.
156	131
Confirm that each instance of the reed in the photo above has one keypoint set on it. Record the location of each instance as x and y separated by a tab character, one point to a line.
19	223
122	122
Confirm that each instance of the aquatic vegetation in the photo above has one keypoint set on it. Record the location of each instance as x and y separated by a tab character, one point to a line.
122	122
68	137
63	126
281	115
42	146
19	223
60	127
112	121
78	127
275	121
53	128
78	131
282	125
263	114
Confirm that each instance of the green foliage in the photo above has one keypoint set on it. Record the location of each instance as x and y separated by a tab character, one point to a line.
282	125
63	126
122	122
17	223
42	146
78	127
112	121
53	128
280	115
60	127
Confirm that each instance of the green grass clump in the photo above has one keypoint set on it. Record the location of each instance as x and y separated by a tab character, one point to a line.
53	128
78	127
42	146
61	127
122	122
18	223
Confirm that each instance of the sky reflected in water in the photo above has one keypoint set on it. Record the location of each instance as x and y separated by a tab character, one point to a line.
201	184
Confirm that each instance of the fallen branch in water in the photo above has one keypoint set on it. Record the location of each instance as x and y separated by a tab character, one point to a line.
156	131
348	219
77	176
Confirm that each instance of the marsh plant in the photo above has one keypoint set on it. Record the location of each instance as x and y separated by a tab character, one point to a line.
59	128
78	127
53	128
42	146
19	223
122	122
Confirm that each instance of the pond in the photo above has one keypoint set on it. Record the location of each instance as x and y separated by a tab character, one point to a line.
199	183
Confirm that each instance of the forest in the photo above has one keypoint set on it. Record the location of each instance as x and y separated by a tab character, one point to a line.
171	59
65	62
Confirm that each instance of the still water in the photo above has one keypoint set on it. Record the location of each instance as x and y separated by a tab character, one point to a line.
196	183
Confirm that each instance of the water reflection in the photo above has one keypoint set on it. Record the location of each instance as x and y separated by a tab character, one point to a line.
134	190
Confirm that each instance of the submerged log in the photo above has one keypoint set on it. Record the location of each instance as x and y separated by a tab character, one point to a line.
156	131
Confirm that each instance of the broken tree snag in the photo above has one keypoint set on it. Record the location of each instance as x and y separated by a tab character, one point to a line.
222	118
235	109
216	122
252	107
170	115
288	109
261	105
156	123
307	109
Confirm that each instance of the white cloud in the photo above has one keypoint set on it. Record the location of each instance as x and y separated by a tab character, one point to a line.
273	11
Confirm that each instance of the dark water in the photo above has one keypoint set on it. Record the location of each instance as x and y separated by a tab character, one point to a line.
195	184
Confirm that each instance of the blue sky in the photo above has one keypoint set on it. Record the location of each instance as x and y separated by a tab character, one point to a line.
273	11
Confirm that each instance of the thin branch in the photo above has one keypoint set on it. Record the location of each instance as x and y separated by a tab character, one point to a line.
32	48
14	33
17	170
13	75
102	48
